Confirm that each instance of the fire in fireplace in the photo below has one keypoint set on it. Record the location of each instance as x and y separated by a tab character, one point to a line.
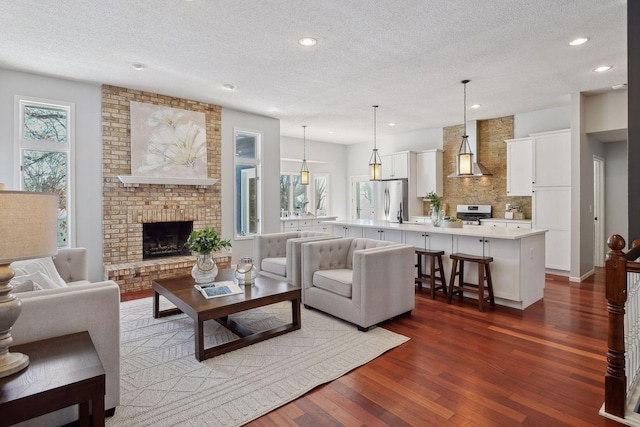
160	239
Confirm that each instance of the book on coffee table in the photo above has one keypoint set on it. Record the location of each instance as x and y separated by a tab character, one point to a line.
218	289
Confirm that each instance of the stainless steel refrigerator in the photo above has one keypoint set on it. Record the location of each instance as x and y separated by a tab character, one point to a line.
390	200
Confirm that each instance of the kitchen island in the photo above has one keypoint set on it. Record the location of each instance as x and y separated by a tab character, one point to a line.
518	266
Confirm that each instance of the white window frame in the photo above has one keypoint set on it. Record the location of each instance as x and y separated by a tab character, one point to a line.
21	143
247	162
311	191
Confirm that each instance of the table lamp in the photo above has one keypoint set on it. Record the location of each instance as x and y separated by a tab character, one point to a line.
28	229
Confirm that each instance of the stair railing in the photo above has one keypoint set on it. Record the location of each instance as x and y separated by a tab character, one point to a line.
622	283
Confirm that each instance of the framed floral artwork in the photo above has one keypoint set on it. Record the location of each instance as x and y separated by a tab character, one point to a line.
167	142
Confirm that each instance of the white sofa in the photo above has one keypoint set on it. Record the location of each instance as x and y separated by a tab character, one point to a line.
362	281
278	255
79	306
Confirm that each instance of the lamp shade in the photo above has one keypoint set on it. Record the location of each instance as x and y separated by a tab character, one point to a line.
28	225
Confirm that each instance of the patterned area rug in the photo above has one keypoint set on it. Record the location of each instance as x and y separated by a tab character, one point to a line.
162	383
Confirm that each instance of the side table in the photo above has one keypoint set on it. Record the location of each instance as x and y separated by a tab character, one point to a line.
62	371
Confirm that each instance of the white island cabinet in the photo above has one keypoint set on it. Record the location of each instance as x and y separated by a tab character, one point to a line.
518	266
306	223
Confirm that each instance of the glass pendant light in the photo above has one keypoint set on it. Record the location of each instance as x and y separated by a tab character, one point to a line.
304	171
375	163
465	156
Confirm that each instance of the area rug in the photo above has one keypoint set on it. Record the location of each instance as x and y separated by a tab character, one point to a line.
162	383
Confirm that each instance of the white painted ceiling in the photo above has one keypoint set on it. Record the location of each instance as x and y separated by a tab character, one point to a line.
408	56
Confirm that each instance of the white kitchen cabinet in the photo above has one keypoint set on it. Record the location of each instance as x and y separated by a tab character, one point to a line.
434	242
518	224
507	223
306	224
347	231
519	166
429	173
383	234
551	158
551	208
551	201
506	265
395	166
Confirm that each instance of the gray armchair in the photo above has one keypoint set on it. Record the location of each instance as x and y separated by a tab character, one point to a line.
278	255
362	281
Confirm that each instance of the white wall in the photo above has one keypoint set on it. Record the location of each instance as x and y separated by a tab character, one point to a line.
269	176
322	157
616	189
606	111
88	149
541	121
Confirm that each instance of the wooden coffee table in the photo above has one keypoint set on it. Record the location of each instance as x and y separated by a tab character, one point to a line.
180	291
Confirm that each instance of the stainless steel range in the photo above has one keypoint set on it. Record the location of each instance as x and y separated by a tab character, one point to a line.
472	214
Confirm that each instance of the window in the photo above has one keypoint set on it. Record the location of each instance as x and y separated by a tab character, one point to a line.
247	173
312	198
45	141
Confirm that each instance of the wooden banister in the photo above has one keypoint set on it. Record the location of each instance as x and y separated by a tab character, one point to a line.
615	381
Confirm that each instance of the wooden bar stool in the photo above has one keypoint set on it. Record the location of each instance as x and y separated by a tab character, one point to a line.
435	266
484	274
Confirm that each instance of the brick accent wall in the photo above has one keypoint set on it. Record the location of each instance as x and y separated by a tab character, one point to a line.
125	208
489	190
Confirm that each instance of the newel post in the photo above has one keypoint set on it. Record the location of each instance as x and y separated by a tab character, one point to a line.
615	381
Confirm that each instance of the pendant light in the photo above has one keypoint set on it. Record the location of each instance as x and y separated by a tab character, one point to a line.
465	156
375	163
304	171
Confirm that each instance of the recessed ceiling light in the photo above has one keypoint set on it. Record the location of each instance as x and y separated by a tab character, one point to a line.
228	86
308	41
138	66
476	106
392	124
603	68
330	131
619	86
578	41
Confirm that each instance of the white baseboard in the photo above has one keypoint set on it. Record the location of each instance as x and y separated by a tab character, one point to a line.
583	277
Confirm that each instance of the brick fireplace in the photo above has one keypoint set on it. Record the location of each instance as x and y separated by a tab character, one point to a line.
127	207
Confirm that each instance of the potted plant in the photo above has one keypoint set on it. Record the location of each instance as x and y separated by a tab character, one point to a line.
204	243
436	204
452	222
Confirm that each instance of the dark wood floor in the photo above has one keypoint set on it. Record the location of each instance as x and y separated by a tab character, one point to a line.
540	367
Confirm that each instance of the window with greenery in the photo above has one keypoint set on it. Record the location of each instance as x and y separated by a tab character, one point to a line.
45	146
247	173
300	199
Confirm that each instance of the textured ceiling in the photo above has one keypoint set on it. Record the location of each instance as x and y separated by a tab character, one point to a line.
408	56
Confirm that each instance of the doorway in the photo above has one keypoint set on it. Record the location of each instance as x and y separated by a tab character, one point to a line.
361	198
599	244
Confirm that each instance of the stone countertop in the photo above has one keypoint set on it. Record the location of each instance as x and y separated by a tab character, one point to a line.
306	217
525	220
466	230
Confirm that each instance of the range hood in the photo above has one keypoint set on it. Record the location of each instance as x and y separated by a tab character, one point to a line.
477	168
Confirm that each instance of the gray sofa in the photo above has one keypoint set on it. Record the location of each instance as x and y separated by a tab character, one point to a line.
362	281
278	255
80	306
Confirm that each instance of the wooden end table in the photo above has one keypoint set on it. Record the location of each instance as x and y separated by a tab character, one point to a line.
62	372
180	291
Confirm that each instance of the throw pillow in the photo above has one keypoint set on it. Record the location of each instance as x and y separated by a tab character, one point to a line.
21	284
43	265
40	281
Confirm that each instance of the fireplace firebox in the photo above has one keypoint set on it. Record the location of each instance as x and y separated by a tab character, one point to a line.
161	239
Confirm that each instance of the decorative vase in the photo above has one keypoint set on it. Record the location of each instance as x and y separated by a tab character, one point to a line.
245	271
436	217
205	269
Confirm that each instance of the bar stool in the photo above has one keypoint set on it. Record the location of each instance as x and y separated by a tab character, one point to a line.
484	274
435	266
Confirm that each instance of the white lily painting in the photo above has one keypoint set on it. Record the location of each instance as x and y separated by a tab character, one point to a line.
167	142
